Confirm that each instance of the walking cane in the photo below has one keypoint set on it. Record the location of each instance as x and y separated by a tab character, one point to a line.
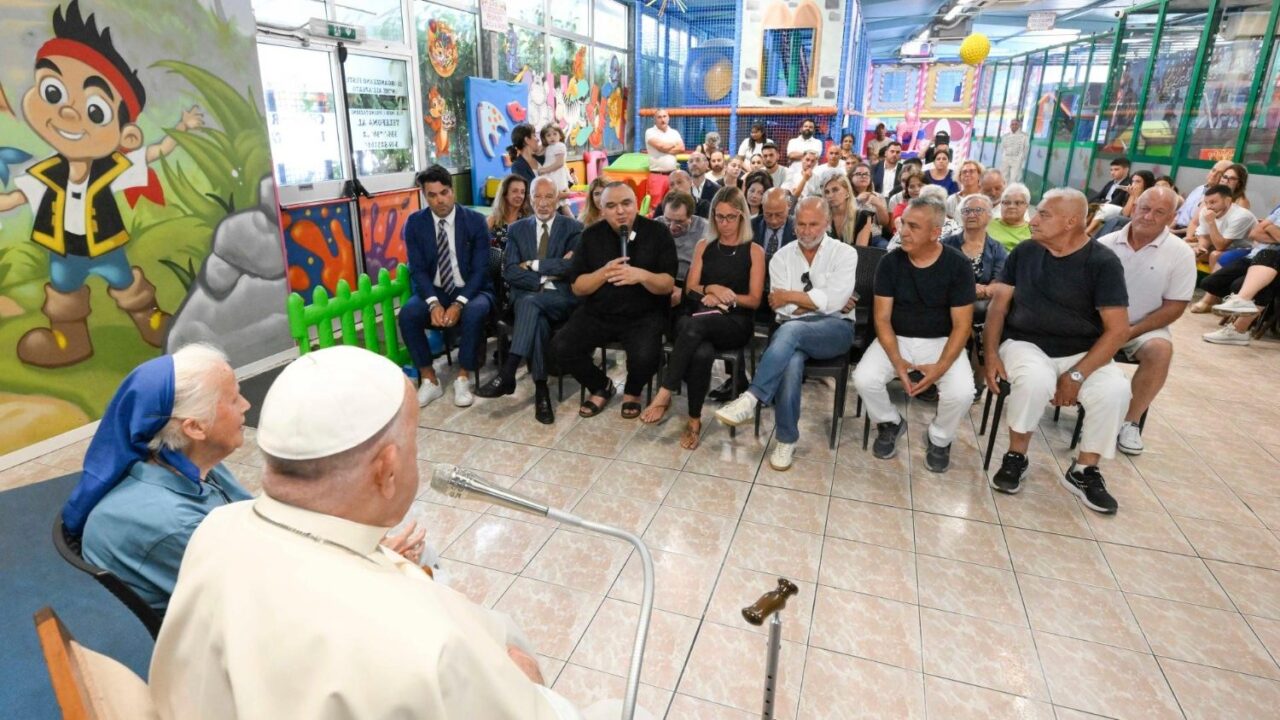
771	603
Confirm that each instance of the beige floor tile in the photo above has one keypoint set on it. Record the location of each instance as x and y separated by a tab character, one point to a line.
71	457
691	708
981	652
585	687
579	561
1232	543
787	508
734	458
1202	635
960	539
648	483
1153	530
708	494
658	446
608	643
942	496
1265	507
1212	694
1255	591
498	543
556	496
867	626
622	512
443	524
727	667
804	475
482	585
1268	631
553	617
1203	501
689	532
1081	611
1069	714
874	485
1059	557
972	590
766	548
1105	680
867	522
840	687
958	701
682	583
595	437
1059	514
869	569
567	468
29	473
503	458
1165	575
738	588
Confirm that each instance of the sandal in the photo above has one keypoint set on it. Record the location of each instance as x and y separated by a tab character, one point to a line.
692	434
590	409
630	410
660	409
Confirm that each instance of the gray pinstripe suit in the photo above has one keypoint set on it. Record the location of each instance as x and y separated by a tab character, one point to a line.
537	307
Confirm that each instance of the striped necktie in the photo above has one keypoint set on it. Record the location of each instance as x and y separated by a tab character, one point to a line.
444	258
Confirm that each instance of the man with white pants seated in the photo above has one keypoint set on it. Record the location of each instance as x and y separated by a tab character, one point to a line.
923	316
1058	315
1159	276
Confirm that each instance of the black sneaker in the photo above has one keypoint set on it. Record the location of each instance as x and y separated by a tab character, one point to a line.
1087	484
1013	470
936	457
724	393
887	434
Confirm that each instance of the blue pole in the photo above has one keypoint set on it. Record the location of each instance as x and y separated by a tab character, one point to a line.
850	54
732	146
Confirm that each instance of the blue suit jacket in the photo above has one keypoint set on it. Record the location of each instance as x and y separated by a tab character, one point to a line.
759	232
522	246
472	245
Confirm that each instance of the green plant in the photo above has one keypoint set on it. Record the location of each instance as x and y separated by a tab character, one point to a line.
186	275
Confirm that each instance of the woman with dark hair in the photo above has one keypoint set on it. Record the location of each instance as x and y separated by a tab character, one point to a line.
940	173
1139	182
511	204
523	151
754	187
753	145
1236	177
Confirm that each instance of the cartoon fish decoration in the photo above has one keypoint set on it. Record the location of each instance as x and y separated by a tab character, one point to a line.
10	156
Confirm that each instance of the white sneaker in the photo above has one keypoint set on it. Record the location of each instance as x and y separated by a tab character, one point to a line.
429	391
738	411
1130	441
1235	305
462	396
782	455
1227	335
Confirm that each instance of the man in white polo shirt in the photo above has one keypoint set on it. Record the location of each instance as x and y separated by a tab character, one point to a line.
1160	274
663	142
805	142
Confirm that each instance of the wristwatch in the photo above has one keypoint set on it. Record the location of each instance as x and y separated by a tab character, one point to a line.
1076	376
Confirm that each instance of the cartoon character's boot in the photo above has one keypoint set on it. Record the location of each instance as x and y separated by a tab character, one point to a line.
139	300
66	340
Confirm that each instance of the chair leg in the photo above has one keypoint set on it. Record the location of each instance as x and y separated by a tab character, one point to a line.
757	419
995	430
986	412
866	430
1056	412
1075	434
560	383
837	418
857	412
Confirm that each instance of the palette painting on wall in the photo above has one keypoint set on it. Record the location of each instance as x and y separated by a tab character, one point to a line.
137	210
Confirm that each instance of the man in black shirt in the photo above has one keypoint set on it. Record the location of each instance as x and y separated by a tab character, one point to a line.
625	297
1058	315
923	317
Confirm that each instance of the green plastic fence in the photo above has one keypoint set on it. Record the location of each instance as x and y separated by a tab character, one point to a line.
344	306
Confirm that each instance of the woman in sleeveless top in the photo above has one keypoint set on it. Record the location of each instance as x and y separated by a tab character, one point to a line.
724	286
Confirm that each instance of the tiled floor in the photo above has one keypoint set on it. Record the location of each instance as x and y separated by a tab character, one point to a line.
920	595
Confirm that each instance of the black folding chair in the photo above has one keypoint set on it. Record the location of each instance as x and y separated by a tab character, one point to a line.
68	546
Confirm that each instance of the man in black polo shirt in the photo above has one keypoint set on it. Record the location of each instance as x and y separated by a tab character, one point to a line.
625	298
1058	315
923	317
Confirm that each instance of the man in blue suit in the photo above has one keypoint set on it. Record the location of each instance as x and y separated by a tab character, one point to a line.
539	254
449	257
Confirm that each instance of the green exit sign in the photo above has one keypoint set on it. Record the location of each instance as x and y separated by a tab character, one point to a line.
336	30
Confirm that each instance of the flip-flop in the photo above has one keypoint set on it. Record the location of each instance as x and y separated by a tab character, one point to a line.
589	409
630	410
689	432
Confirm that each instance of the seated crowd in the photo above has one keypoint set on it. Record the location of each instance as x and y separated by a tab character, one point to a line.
973	289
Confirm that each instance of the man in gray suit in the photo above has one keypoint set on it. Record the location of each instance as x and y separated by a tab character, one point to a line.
539	253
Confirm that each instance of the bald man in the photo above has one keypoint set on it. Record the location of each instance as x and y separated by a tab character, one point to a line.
1057	317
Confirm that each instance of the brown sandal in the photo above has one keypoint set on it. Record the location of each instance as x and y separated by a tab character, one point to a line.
691	437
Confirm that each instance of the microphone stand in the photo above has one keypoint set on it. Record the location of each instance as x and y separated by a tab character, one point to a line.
458	483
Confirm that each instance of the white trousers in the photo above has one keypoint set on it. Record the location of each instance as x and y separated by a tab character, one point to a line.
1011	168
1033	376
955	387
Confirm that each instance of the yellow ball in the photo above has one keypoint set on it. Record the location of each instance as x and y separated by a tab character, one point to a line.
718	81
974	49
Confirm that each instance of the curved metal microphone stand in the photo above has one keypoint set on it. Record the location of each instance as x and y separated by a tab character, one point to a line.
458	483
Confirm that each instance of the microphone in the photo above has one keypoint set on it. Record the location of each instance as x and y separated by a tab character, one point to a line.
458	483
624	232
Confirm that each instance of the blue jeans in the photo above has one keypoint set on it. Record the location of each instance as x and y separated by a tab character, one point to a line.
68	273
415	320
780	374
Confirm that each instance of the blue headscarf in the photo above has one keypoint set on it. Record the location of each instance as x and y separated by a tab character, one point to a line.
140	408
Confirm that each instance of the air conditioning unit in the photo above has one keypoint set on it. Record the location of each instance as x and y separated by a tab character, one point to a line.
961	30
919	50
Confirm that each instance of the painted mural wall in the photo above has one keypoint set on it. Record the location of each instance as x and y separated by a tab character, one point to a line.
137	210
918	100
824	21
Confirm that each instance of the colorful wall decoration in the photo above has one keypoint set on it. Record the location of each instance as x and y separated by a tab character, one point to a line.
916	101
185	237
824	24
497	107
447	53
382	220
318	246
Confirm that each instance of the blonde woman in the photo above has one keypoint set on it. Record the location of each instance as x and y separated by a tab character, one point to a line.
844	212
970	184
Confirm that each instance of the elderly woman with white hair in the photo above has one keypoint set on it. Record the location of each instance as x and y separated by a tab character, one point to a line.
1011	227
154	470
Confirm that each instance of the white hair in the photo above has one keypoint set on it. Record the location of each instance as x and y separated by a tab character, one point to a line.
541	179
195	393
975	197
1016	189
933	191
1071	196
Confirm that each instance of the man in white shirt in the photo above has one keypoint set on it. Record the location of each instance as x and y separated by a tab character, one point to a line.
1223	225
663	142
286	606
806	142
1014	146
1191	205
803	176
1160	275
810	281
716	173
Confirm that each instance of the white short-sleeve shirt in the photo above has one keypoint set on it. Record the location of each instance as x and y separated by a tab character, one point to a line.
1235	225
658	160
1165	269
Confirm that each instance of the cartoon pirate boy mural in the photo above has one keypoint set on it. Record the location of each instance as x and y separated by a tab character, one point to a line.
85	102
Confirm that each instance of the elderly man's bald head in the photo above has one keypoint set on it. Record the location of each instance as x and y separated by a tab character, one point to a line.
775	207
1153	211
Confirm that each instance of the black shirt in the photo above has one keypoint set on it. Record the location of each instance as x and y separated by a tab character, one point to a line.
521	167
1056	299
923	296
652	249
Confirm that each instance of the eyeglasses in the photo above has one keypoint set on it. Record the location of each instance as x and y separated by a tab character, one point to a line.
862	174
806	282
1230	177
727	218
974	211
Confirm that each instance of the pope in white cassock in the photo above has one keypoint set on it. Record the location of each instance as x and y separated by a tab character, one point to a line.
1014	146
287	606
